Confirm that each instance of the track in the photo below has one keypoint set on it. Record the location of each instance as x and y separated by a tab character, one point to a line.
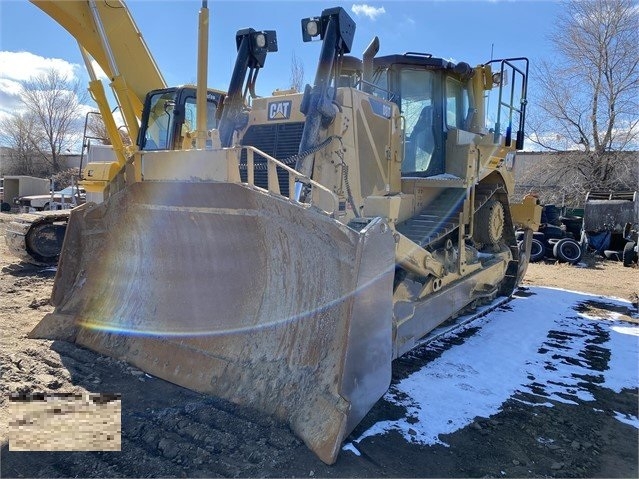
37	237
453	325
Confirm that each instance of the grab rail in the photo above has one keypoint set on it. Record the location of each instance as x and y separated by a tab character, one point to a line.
320	197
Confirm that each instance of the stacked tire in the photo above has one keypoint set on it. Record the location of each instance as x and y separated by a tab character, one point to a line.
629	254
567	250
554	244
538	248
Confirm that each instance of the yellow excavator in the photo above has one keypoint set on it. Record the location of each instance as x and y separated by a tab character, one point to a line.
285	261
107	35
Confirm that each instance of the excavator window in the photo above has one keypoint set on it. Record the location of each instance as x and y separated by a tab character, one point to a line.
169	118
158	120
190	113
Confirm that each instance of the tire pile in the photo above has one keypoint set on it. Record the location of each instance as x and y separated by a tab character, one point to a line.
556	238
561	238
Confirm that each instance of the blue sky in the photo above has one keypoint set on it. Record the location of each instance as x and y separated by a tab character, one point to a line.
459	30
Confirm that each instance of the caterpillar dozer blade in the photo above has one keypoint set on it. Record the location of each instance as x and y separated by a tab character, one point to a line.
228	290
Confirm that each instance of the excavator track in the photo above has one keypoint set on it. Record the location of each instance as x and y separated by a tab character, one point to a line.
37	237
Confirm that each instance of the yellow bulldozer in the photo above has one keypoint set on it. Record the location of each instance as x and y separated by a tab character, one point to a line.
285	258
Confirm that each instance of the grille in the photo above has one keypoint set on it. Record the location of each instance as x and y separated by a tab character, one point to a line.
279	140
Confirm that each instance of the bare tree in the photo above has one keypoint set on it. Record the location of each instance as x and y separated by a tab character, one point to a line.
561	177
17	132
97	130
588	96
297	73
53	101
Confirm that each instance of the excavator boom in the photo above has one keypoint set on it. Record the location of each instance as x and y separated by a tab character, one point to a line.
106	30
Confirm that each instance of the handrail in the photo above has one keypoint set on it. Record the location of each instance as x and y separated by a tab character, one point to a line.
327	202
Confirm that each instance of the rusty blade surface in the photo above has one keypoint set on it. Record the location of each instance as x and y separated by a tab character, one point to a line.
227	290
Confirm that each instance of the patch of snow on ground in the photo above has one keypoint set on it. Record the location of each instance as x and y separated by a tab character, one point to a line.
627	419
539	345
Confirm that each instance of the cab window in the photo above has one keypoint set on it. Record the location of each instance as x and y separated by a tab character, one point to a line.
190	114
160	124
456	104
417	106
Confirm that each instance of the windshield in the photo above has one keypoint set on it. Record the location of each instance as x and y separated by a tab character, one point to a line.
172	117
157	134
68	191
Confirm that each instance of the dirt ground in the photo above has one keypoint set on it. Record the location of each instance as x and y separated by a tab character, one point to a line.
593	275
168	431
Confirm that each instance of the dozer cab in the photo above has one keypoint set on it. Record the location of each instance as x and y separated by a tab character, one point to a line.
286	266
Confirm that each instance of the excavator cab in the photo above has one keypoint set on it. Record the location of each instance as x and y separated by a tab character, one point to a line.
169	117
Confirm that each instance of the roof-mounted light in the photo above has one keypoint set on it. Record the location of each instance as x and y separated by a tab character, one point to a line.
310	28
260	40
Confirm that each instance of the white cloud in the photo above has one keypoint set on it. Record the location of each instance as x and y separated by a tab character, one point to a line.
21	66
18	67
9	96
9	87
99	72
367	10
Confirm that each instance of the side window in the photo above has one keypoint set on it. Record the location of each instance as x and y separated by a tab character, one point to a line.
190	113
456	103
380	81
211	118
158	131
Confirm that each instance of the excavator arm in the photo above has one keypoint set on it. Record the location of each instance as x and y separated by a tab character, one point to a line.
108	33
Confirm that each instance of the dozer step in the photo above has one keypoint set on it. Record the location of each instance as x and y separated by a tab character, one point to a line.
438	219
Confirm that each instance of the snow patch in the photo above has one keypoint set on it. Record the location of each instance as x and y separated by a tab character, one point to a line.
537	348
627	419
351	447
